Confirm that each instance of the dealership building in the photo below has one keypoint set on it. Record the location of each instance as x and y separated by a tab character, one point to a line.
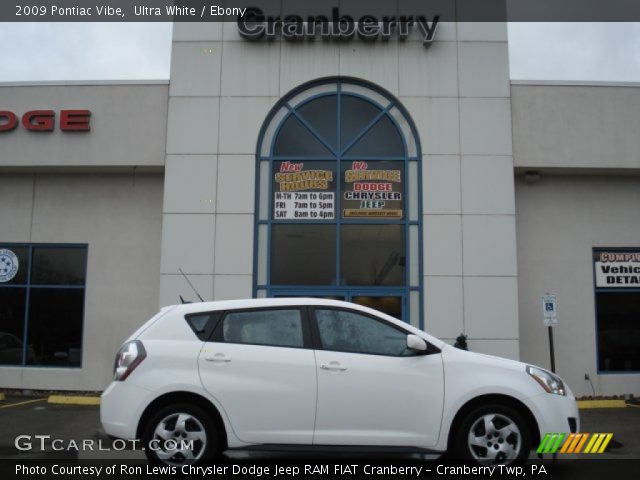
404	172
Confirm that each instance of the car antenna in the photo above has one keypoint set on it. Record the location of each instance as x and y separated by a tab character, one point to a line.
191	285
182	300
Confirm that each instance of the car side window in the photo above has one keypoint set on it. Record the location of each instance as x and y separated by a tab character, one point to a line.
345	331
277	328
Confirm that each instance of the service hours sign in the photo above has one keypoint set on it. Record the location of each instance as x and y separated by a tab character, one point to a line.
304	191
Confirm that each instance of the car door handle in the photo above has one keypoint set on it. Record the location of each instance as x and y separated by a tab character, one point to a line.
217	358
334	366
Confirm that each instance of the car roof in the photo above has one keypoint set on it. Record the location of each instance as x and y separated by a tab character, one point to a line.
259	303
224	305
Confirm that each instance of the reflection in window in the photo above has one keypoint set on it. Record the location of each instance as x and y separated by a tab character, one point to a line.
294	139
276	328
58	266
303	254
372	255
55	326
52	278
618	331
345	331
12	325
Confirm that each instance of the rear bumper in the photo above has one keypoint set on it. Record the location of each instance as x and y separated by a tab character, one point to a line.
118	421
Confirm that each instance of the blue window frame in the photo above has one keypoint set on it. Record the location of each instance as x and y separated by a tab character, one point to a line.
350	153
42	291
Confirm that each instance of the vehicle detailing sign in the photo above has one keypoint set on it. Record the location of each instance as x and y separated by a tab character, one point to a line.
302	191
372	193
8	265
550	309
617	269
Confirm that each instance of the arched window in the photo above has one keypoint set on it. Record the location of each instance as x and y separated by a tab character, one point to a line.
338	210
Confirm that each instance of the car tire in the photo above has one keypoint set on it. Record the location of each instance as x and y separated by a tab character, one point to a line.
181	434
491	435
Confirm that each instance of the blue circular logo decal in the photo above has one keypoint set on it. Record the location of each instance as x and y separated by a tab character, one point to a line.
8	265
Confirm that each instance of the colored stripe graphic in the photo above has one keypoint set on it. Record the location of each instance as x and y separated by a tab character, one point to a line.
551	442
598	443
573	443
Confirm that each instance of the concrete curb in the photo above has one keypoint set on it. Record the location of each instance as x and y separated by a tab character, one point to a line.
584	404
73	400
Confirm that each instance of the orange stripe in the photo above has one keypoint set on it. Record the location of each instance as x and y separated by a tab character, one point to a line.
584	439
579	439
567	442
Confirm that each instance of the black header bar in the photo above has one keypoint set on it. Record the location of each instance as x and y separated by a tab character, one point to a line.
278	10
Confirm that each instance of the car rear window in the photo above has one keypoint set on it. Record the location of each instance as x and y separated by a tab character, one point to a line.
203	324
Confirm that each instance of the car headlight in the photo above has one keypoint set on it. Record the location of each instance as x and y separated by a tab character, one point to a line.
547	380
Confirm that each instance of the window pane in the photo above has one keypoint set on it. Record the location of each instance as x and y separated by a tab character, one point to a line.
11	325
14	265
389	304
55	326
382	140
278	328
345	331
59	266
322	115
618	331
372	255
355	115
373	190
303	254
295	140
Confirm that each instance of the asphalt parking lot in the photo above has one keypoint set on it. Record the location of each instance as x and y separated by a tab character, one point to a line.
28	419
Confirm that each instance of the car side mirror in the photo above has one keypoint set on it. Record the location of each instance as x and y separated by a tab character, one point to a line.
414	342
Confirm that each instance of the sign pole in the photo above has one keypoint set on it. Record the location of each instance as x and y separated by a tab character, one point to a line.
551	351
550	318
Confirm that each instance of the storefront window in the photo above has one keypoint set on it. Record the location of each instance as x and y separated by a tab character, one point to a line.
341	216
42	296
617	276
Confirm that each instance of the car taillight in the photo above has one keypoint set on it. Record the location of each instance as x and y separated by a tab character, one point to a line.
128	358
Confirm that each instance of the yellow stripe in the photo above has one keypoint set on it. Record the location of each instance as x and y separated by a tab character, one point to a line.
596	445
606	442
73	400
23	403
584	439
567	442
594	437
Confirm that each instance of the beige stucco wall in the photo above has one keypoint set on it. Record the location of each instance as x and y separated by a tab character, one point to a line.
128	125
559	220
576	126
119	217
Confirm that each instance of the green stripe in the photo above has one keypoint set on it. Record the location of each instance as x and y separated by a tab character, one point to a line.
558	442
543	443
551	442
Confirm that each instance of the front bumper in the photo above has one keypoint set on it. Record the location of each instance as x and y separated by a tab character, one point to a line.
555	413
